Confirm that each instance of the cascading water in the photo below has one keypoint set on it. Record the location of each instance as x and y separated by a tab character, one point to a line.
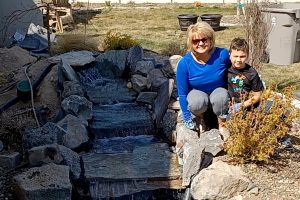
126	161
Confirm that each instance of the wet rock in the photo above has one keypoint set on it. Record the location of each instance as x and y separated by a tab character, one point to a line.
120	120
71	159
69	72
146	97
114	59
1	146
169	124
50	133
72	88
10	160
135	54
139	82
44	154
146	157
111	92
167	69
143	67
76	133
156	79
78	106
162	100
49	182
122	144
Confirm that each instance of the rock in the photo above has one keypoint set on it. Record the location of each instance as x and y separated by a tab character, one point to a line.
162	100
184	135
69	72
47	95
49	182
44	154
1	146
111	92
71	159
72	88
50	133
139	82
169	124
143	67
174	61
193	153
74	58
219	181
121	120
114	59
76	133
212	141
135	54
79	106
10	160
146	97
156	79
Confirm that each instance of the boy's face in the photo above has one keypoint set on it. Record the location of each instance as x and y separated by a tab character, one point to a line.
238	58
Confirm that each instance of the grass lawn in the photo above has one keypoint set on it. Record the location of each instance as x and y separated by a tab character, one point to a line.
155	27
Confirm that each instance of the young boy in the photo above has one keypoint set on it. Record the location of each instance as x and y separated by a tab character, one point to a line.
244	85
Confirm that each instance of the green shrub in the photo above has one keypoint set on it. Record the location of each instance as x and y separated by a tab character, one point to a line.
118	41
254	134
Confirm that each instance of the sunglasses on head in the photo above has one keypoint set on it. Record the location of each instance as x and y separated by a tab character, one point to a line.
197	41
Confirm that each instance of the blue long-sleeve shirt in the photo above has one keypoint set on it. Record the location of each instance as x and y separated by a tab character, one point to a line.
204	77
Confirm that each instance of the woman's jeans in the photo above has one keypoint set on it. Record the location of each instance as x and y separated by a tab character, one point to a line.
199	102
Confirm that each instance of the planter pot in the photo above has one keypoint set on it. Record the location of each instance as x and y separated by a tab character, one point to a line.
213	20
23	90
185	20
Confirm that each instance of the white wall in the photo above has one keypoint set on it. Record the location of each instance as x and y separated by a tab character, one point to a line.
174	1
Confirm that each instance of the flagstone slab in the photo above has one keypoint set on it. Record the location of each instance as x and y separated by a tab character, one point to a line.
121	120
154	161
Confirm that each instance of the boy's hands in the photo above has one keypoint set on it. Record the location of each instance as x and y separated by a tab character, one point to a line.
236	107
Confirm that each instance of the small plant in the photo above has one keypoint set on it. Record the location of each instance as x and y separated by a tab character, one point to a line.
118	41
254	134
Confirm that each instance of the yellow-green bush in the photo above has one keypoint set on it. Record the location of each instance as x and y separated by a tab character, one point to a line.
118	41
254	134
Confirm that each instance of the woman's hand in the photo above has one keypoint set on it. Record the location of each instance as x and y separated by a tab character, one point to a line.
190	124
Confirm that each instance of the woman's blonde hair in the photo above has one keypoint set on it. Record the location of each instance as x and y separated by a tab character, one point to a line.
198	30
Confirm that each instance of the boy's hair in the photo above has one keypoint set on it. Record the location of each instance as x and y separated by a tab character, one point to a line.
239	44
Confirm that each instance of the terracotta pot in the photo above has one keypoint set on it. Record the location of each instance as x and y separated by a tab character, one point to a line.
185	20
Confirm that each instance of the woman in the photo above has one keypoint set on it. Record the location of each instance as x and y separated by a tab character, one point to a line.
200	75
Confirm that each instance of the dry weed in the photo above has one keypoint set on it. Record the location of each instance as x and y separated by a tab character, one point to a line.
74	42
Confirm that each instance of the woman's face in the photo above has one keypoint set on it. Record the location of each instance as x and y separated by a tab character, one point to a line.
201	44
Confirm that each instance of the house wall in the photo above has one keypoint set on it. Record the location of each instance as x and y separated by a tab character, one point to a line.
21	21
